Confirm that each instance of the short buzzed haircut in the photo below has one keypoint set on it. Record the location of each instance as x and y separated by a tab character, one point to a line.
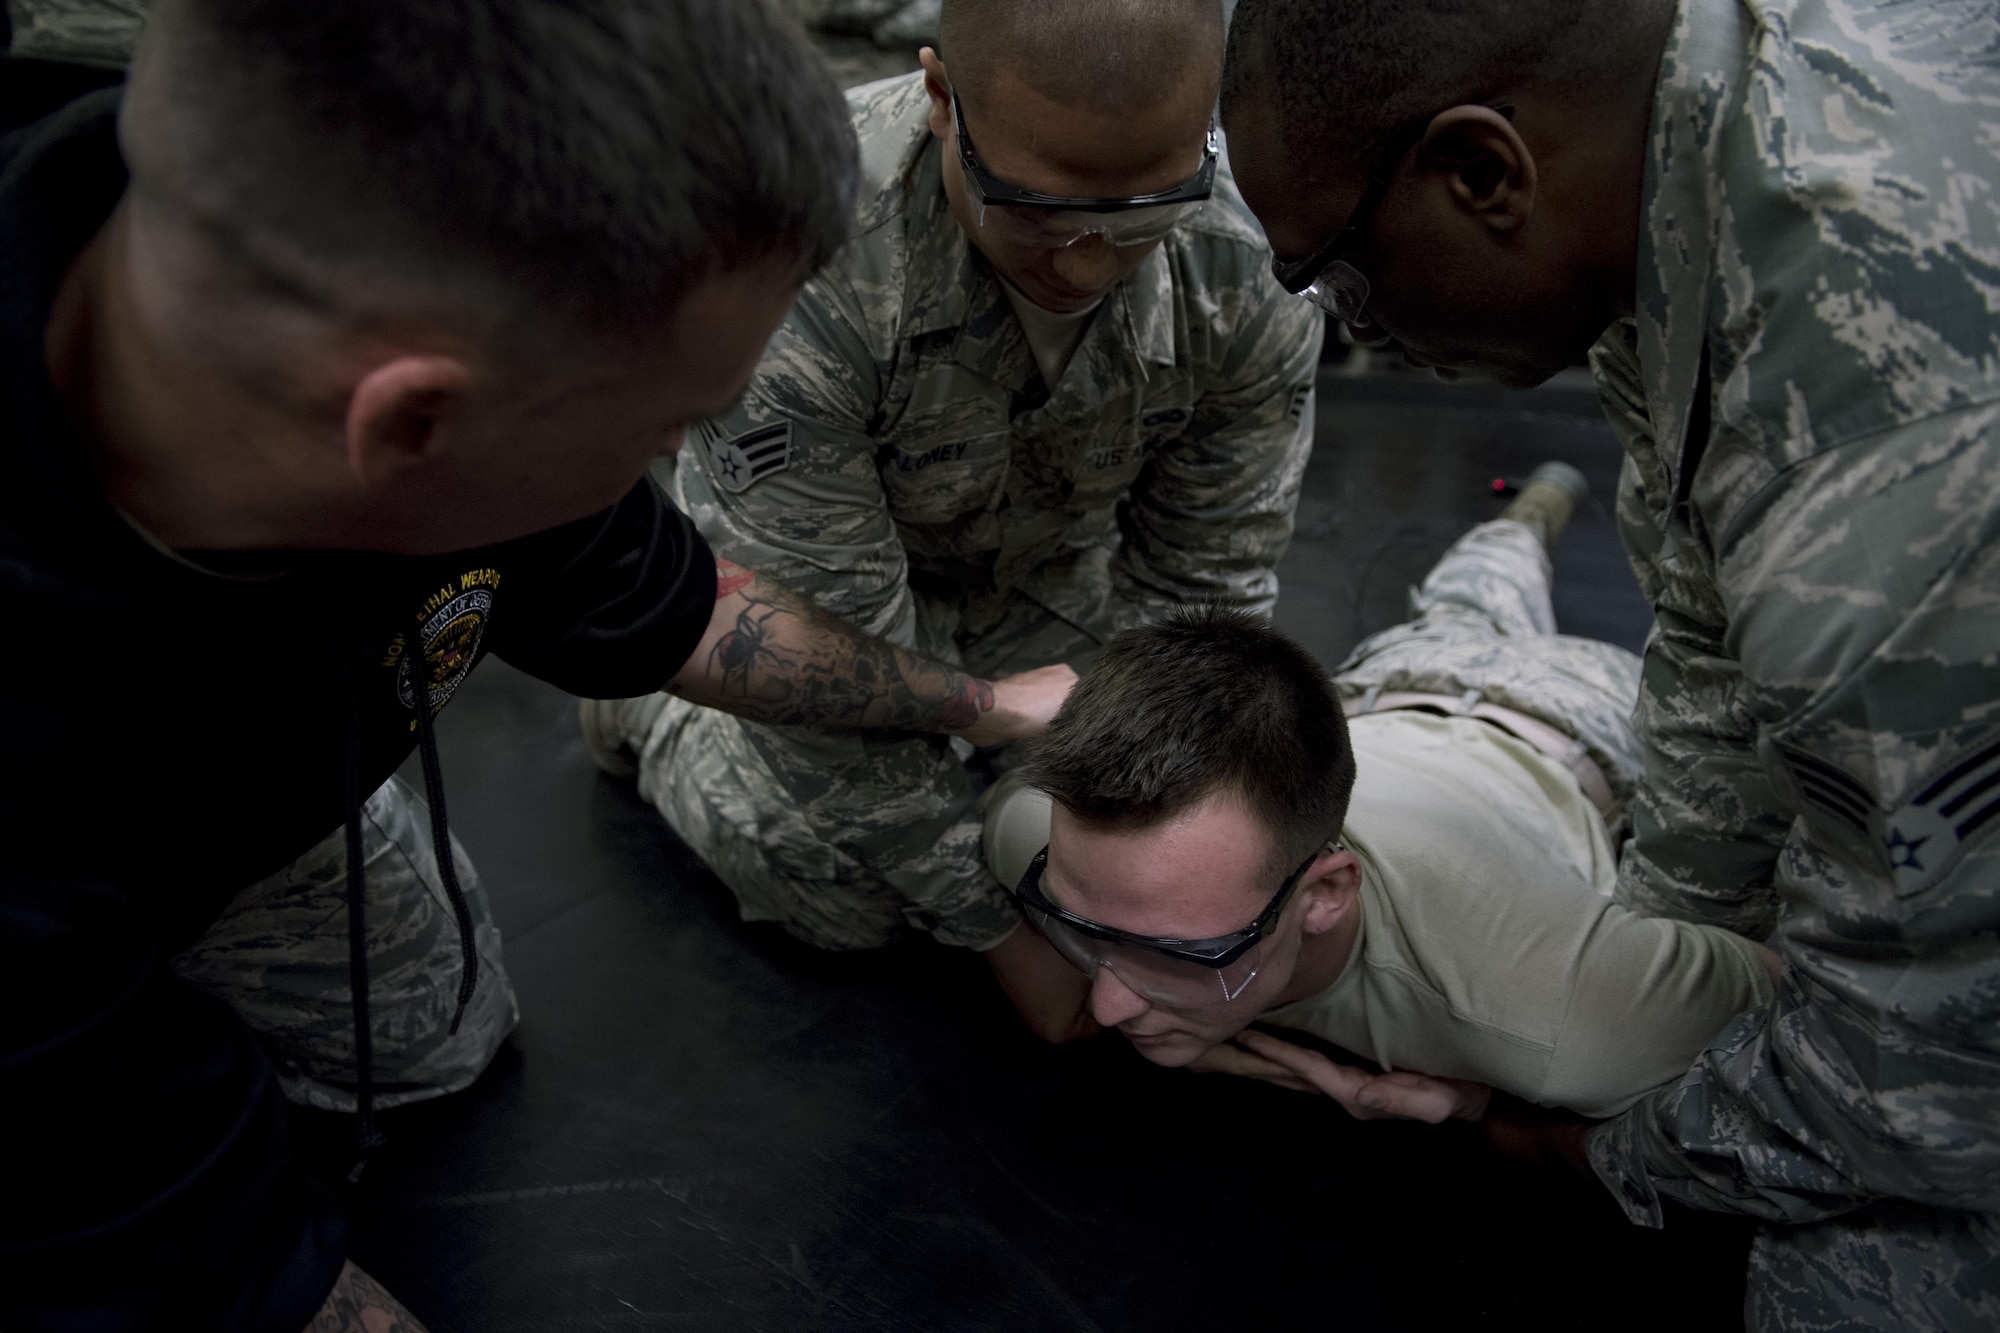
1207	700
587	160
1114	56
1347	77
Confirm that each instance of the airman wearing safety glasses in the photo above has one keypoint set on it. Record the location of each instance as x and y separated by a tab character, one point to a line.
1768	225
1210	844
1050	389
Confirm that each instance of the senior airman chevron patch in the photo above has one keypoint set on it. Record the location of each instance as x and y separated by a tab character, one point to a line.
1922	838
1926	836
751	456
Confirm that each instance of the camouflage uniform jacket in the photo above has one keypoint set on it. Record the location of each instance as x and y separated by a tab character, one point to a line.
898	431
1807	395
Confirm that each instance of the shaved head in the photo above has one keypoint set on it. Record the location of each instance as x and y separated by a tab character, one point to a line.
555	169
1114	56
1346	76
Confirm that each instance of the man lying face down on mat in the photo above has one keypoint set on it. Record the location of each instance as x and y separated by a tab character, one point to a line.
1433	895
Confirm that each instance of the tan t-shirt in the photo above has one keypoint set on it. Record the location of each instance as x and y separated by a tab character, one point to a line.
1490	948
1052	337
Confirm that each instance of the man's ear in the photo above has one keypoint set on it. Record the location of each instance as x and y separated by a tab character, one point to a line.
1330	890
1488	167
398	415
937	83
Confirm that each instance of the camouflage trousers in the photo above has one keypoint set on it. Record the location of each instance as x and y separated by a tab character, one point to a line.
278	956
847	840
1483	622
1893	1265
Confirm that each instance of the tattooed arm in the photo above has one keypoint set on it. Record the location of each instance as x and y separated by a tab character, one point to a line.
772	656
358	1304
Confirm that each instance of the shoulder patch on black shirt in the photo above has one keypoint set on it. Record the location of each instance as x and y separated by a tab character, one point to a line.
744	459
453	625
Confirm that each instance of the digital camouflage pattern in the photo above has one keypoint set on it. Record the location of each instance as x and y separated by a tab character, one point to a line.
1893	1265
90	32
899	461
278	957
1821	697
1483	621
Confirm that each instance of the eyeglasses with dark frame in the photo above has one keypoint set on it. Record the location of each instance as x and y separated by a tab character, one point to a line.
1217	952
1331	283
1052	221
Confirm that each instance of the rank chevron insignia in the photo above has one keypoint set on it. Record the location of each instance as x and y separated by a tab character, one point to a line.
746	458
1926	836
1831	791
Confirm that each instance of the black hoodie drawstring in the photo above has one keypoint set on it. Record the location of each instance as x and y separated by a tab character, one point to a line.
447	867
366	1137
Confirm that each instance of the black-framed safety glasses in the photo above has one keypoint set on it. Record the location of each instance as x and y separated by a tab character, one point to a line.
1180	974
1323	277
1219	951
1053	221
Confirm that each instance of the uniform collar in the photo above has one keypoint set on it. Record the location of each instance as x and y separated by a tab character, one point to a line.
948	285
945	278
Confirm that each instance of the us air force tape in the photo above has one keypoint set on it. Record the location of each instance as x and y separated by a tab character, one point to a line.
743	459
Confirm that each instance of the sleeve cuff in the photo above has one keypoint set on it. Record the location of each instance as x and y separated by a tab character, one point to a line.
1614	1157
979	924
999	940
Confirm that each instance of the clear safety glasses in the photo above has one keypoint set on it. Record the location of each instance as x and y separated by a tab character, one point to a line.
1329	282
1176	973
1042	229
1323	277
1052	222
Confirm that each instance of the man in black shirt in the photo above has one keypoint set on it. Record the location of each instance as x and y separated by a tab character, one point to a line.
332	353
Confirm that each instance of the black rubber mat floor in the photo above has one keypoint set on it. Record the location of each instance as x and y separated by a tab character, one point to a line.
700	1125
